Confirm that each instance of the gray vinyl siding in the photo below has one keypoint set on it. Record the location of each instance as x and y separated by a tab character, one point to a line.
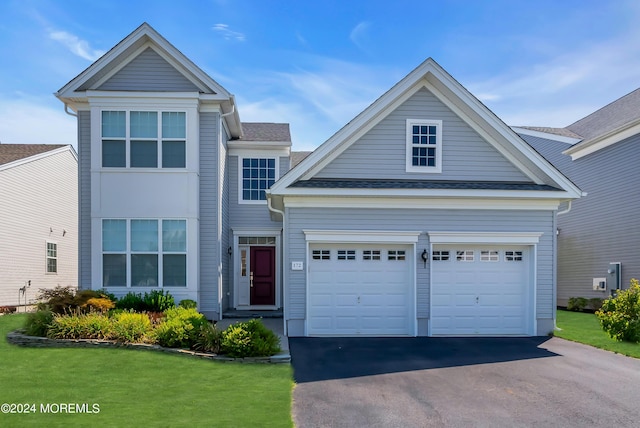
149	72
299	219
249	215
381	153
209	258
84	208
227	284
602	227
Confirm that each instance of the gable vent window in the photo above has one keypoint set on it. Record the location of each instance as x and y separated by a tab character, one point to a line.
321	254
424	146
513	256
489	256
440	256
371	255
346	254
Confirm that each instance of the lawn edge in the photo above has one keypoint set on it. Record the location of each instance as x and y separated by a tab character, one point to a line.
18	338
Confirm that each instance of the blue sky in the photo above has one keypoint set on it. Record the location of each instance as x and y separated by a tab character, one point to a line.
317	64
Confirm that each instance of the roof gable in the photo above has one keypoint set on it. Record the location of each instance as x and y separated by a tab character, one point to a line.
109	73
148	72
447	90
141	39
381	152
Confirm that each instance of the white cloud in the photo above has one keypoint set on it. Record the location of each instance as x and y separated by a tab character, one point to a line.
567	87
31	121
76	45
360	35
227	33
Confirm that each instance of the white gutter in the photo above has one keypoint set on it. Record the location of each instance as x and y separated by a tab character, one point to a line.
566	210
284	276
66	110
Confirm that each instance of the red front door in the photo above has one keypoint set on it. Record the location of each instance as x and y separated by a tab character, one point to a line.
262	276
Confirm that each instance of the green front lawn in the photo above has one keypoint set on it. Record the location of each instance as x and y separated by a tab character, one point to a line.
585	328
139	388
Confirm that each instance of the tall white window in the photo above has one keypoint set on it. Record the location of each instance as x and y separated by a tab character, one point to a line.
52	257
149	138
424	146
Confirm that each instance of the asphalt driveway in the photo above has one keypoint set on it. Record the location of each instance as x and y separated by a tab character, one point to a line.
461	382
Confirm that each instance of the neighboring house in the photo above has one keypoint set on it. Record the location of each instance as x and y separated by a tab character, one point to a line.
38	220
425	215
599	235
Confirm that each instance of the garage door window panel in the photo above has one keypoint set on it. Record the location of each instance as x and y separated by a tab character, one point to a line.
371	255
440	256
465	256
489	256
321	254
396	255
346	254
513	256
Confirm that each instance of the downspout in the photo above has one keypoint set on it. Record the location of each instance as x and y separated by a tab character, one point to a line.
229	113
283	276
66	110
565	210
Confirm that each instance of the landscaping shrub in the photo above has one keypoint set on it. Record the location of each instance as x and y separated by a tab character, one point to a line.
208	339
577	304
188	303
131	302
132	327
595	303
620	315
158	301
180	328
92	325
100	304
249	339
83	296
38	322
59	299
62	300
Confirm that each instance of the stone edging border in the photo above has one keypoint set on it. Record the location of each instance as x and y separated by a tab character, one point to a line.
19	339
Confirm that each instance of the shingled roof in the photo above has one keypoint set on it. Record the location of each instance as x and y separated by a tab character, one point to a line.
13	152
613	116
610	117
263	131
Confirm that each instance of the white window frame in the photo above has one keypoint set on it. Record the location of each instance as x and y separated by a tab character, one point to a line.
47	258
159	139
160	252
409	146
241	159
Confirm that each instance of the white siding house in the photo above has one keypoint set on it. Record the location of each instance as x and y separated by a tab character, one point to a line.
38	219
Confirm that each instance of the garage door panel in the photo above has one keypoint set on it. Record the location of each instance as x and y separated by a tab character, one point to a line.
484	294
371	292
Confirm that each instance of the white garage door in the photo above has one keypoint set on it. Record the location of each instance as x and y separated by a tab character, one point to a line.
360	290
480	290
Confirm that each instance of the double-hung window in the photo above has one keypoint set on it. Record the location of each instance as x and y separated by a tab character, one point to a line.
52	257
258	174
144	253
149	138
424	146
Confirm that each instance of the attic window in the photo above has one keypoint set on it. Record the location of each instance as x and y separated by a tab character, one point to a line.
424	146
